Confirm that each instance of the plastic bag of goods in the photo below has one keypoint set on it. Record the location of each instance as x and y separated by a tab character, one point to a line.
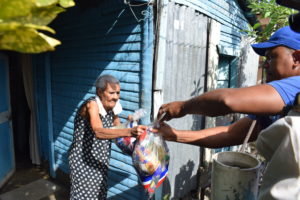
126	144
151	159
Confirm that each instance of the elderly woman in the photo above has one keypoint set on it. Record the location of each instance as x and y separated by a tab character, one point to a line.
90	150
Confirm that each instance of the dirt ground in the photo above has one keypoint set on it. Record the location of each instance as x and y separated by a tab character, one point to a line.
27	173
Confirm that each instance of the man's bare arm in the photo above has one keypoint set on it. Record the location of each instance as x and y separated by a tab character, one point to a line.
212	137
260	99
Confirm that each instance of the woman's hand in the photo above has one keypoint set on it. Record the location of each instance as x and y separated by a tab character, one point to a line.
166	131
172	110
138	130
130	118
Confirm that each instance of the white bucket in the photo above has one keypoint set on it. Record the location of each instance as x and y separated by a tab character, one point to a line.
235	176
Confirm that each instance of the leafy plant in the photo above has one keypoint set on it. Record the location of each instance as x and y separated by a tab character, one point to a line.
22	20
268	9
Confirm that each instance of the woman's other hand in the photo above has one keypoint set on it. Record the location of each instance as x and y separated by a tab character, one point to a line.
130	118
138	130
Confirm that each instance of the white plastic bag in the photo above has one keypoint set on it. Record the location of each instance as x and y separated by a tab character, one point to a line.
151	159
126	144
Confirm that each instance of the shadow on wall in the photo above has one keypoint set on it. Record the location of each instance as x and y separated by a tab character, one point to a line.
197	119
182	181
184	177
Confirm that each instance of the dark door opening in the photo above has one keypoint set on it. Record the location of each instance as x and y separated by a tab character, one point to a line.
20	112
25	171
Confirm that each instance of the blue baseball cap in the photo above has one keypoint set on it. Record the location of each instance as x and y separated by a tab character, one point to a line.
282	37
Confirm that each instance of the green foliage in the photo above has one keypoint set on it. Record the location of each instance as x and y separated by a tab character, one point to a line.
277	14
21	21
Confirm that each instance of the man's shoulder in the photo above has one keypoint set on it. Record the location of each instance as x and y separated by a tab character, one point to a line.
293	80
288	88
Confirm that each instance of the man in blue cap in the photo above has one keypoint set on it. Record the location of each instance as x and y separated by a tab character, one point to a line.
265	103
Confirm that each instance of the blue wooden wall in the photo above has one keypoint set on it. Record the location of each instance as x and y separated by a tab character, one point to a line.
7	158
106	38
41	104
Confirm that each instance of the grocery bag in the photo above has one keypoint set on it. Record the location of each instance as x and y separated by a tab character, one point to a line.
149	151
126	144
151	160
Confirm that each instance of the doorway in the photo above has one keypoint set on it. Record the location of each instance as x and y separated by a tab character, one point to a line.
25	143
20	112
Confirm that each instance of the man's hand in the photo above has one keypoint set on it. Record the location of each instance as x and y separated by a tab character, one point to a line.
171	110
166	131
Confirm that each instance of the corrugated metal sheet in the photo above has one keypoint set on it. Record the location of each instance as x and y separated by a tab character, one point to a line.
183	78
106	38
231	17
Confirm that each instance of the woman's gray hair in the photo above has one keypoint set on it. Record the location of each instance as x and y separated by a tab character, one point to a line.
102	81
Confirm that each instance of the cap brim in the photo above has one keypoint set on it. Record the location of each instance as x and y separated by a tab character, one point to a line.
261	48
